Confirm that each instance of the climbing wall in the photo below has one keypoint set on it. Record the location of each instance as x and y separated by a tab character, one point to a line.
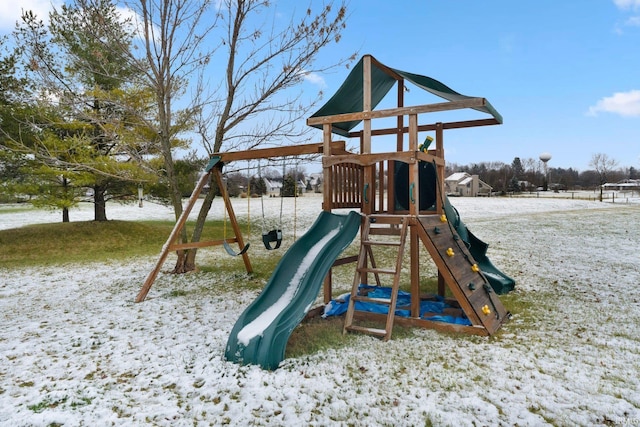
466	281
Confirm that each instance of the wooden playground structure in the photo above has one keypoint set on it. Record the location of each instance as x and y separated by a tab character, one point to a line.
373	183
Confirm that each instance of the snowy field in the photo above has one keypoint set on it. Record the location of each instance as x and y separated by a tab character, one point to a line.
76	351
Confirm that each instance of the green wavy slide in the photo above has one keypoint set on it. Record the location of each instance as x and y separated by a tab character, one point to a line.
260	335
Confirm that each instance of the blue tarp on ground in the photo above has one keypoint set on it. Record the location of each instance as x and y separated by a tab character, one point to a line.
339	306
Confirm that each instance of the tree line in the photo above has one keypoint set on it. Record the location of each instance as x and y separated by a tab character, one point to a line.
530	175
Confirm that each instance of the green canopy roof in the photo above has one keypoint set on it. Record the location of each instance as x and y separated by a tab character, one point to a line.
349	97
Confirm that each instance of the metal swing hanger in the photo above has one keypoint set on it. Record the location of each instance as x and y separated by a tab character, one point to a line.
272	236
225	244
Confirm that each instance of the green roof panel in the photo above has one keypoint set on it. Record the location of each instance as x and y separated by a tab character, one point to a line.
348	98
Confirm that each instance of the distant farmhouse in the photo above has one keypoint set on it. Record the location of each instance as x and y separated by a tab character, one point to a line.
273	187
466	185
624	185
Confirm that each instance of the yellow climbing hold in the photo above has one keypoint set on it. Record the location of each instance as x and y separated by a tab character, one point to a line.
475	268
443	218
486	310
450	252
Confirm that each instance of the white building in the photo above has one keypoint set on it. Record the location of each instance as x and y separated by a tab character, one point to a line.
624	185
273	187
463	184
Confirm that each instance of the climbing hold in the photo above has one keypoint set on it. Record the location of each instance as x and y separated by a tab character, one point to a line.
436	230
475	268
443	218
486	310
450	252
472	286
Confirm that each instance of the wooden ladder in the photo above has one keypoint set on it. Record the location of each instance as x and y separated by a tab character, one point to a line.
398	226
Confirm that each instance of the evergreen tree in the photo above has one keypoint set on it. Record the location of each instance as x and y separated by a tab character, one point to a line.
289	186
85	101
258	186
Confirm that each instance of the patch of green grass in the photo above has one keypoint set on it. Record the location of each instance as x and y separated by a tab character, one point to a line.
87	241
15	209
83	401
317	334
45	404
525	307
177	293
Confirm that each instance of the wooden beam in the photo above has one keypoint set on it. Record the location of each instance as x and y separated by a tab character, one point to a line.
199	245
394	112
427	157
289	150
384	68
429	127
423	323
368	159
345	260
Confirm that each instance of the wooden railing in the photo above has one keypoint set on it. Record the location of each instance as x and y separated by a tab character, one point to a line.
347	185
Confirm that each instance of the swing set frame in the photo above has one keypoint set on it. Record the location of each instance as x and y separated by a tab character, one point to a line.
214	171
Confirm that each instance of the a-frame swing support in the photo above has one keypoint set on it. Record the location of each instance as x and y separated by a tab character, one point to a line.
213	169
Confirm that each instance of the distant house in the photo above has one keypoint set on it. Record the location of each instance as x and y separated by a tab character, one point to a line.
624	185
302	187
464	184
273	187
315	182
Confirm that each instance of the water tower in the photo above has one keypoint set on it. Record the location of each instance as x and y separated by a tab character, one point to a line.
545	157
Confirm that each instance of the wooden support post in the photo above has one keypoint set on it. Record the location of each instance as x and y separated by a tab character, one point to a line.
441	284
391	187
327	197
327	185
177	228
414	175
439	168
327	288
369	179
414	241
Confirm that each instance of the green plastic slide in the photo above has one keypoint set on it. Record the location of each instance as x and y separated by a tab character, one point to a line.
260	335
500	282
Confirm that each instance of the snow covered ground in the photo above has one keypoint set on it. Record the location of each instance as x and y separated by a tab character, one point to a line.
76	351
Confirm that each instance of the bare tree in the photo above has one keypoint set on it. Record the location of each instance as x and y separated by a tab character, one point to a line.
603	165
275	59
253	59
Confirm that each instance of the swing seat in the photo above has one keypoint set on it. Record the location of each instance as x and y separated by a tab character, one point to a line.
231	252
273	236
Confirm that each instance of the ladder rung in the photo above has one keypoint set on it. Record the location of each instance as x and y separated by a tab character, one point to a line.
374	243
386	219
376	271
372	331
385	231
373	300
